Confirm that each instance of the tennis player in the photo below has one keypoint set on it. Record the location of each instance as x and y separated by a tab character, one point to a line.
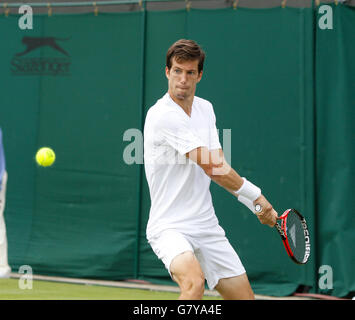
182	154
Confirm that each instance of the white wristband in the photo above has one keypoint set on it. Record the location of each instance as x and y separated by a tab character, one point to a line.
248	203
248	193
248	190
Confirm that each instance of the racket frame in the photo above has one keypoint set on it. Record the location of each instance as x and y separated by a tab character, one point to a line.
283	234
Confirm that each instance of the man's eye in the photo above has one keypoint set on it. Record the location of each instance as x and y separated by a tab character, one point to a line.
177	71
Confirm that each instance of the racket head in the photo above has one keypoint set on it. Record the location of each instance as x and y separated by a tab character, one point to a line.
296	236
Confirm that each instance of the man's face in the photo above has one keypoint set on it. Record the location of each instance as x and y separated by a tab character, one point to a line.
183	78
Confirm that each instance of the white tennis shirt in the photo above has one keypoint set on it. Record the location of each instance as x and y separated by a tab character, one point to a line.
179	188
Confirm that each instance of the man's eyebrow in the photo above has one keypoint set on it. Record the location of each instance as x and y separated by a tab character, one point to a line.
175	67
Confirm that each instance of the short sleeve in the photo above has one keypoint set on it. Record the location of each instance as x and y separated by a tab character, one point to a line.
176	132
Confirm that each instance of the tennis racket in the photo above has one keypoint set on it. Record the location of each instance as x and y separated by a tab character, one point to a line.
295	235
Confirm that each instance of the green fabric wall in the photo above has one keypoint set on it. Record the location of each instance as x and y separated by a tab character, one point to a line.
274	81
80	220
335	153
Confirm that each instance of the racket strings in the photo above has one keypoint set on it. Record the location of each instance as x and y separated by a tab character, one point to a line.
295	236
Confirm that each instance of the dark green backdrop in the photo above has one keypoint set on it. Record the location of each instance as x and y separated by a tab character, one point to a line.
284	87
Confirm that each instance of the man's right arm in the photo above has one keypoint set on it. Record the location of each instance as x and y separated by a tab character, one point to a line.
216	167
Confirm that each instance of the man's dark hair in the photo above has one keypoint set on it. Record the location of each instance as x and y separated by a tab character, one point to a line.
185	50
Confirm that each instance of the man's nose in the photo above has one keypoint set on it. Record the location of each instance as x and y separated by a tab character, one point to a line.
183	77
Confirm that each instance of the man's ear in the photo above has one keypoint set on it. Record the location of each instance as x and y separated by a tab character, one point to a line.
167	72
200	76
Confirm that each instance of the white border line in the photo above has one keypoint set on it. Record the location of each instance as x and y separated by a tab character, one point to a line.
143	286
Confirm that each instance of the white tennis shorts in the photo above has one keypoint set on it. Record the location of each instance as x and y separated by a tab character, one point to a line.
212	249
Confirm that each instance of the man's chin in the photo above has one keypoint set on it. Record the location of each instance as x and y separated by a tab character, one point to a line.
181	96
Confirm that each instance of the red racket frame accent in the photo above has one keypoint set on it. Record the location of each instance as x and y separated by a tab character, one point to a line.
283	219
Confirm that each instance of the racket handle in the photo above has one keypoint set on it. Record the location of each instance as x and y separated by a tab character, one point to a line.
279	230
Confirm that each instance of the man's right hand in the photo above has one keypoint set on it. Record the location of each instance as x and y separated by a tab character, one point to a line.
267	215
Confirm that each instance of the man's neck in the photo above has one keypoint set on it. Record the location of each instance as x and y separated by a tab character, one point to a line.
185	104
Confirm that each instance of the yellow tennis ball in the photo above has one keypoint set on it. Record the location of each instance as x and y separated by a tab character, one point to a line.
45	157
